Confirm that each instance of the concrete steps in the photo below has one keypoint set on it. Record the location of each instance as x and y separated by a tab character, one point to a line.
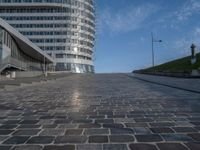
9	84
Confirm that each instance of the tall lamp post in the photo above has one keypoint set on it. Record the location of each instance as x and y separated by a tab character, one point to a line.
44	61
152	43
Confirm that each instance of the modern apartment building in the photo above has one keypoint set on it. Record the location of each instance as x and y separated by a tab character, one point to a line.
64	29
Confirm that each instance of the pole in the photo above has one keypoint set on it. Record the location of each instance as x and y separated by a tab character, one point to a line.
44	60
44	63
152	41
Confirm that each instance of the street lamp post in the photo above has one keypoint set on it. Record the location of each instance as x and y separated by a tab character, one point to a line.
152	44
44	61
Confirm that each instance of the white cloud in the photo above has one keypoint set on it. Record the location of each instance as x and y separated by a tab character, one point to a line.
128	19
197	31
182	45
180	15
188	9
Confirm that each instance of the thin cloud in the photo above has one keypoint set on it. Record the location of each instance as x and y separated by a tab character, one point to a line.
181	14
128	19
189	8
182	45
197	31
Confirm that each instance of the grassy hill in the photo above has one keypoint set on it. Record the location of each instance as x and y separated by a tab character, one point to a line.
180	65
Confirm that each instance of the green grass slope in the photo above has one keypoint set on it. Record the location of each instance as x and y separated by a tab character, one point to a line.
179	65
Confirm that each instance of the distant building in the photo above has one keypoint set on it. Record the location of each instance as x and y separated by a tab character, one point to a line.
18	53
64	29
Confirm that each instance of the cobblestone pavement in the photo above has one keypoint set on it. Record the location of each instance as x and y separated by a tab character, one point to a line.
99	112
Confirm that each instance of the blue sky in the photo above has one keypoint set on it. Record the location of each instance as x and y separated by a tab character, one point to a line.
124	29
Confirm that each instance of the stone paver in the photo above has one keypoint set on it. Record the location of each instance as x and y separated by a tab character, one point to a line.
52	132
195	136
2	138
100	112
74	132
121	131
70	139
16	140
28	147
96	131
148	138
115	147
59	147
41	140
162	130
5	147
26	132
193	146
168	146
98	139
121	138
90	147
176	137
142	147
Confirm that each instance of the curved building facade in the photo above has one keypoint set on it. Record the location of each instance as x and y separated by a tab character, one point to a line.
64	29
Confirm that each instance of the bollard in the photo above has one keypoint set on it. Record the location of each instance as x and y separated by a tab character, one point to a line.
193	55
195	72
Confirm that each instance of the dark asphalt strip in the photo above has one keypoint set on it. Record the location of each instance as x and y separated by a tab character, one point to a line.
171	86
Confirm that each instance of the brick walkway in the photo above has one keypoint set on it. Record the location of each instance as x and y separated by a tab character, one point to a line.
99	112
